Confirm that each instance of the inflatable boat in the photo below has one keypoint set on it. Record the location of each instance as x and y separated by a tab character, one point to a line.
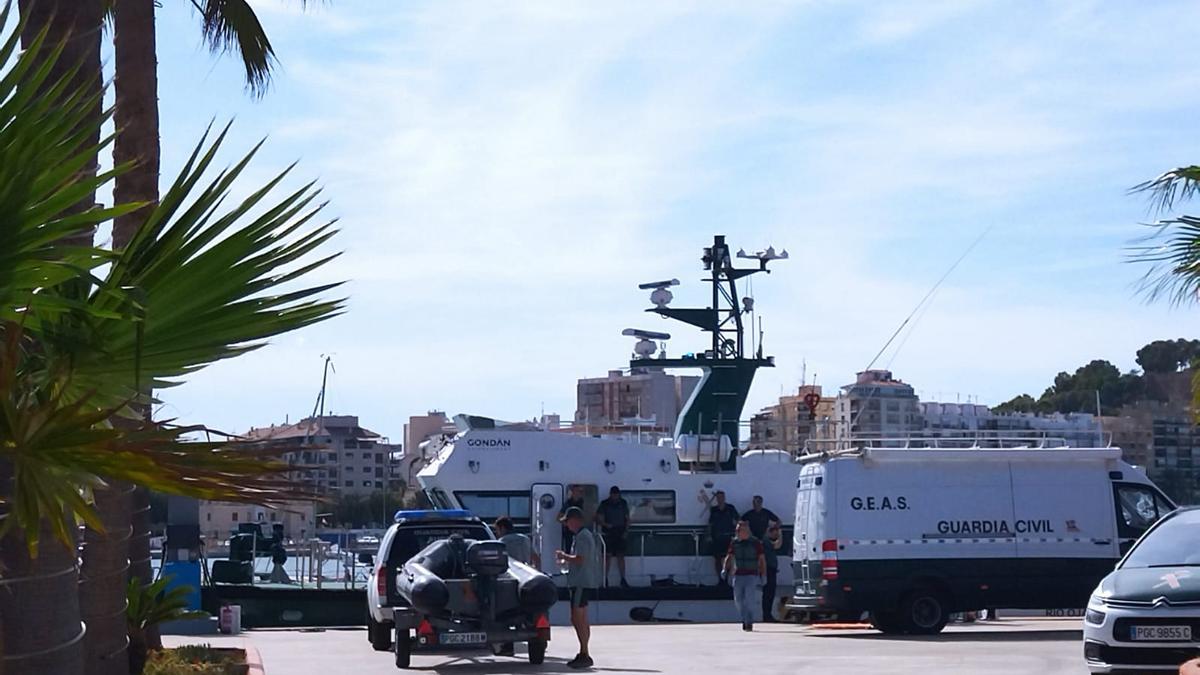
466	578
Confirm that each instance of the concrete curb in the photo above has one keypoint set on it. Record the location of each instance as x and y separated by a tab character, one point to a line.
253	660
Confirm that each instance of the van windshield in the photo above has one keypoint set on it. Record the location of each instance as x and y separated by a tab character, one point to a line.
1176	542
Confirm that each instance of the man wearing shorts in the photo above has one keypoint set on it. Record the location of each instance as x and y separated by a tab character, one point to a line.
583	578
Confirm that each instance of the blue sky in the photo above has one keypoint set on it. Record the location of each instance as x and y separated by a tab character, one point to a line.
506	173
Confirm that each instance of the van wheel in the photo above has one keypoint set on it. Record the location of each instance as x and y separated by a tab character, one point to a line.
887	622
537	652
403	648
924	612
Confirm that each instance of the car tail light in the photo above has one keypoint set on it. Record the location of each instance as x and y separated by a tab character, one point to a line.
542	626
381	583
829	559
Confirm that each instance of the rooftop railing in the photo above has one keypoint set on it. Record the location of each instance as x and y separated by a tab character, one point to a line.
950	440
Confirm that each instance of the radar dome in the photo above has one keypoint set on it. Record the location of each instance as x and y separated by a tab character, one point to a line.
644	348
661	297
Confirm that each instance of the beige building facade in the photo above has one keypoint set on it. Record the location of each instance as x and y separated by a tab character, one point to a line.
334	455
218	520
651	399
788	424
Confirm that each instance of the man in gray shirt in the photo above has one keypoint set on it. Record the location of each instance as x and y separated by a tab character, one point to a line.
515	543
583	578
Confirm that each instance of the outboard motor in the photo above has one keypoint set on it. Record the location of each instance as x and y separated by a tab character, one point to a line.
487	558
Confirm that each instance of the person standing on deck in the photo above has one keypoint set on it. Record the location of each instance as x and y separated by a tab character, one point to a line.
722	518
612	515
759	518
583	578
574	498
746	563
771	546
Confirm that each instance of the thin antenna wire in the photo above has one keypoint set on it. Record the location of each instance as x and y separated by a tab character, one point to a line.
914	311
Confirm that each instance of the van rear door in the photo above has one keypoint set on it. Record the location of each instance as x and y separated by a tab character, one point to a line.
801	550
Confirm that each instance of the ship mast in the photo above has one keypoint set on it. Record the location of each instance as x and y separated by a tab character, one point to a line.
715	407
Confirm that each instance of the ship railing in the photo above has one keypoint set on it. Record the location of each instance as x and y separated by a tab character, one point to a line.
815	448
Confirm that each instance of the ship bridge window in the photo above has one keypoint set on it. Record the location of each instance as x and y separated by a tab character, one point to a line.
491	505
650	506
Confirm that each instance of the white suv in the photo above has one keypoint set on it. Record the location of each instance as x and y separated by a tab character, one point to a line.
412	531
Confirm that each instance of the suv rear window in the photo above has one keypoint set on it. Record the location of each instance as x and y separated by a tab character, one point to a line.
411	538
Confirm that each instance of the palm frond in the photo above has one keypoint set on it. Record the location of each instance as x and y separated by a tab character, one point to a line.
203	281
43	146
232	26
1170	188
1172	251
59	448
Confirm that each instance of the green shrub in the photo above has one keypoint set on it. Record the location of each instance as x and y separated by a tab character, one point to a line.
193	660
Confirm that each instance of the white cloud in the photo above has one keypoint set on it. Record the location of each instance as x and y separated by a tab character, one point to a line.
507	173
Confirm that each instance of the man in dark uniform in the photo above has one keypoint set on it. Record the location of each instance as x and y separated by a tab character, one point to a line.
613	517
771	546
722	520
759	518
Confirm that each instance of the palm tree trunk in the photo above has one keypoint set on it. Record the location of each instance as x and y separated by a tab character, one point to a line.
136	115
135	112
140	566
40	629
76	24
40	626
103	577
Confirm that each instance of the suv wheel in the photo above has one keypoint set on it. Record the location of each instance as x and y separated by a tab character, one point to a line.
380	634
924	611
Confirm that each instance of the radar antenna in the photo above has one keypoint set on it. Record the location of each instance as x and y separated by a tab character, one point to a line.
717	402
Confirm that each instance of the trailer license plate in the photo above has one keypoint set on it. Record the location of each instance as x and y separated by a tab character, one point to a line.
463	638
1163	633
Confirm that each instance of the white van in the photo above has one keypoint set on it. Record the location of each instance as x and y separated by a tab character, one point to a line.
913	535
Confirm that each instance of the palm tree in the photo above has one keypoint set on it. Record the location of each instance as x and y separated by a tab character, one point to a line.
227	26
79	349
1172	250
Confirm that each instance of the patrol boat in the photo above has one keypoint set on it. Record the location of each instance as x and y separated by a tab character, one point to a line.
495	468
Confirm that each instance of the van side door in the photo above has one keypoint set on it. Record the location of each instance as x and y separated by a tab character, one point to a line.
1063	527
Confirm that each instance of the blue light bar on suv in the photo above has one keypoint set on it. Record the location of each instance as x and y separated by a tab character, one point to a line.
432	514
